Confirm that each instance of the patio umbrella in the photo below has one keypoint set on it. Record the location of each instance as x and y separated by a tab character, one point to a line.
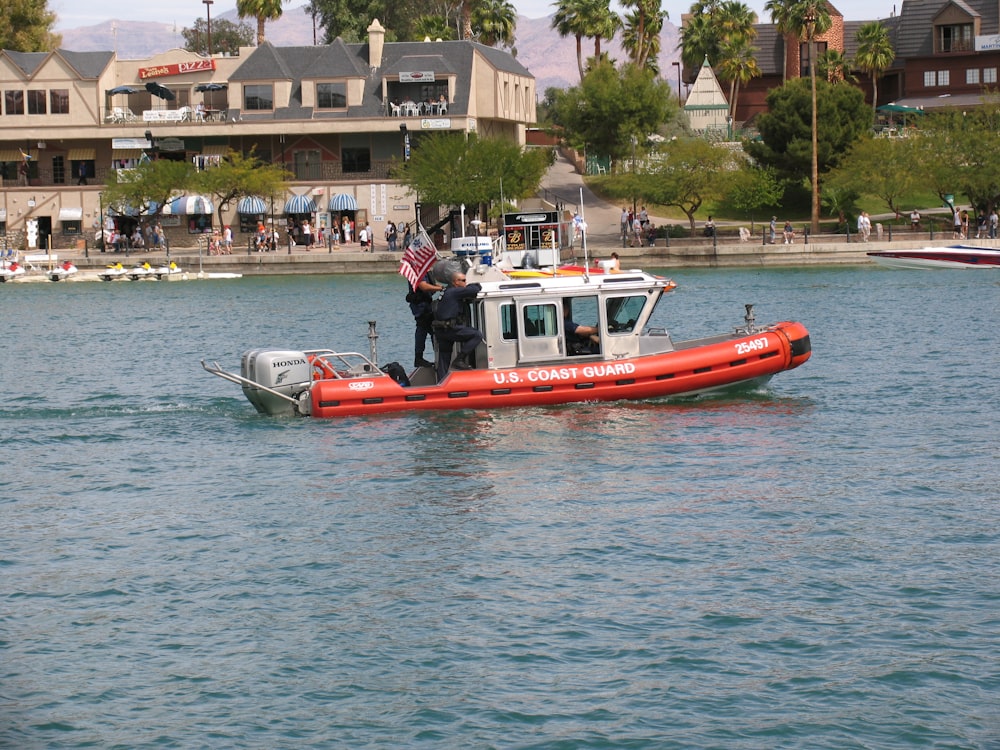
210	87
122	90
158	89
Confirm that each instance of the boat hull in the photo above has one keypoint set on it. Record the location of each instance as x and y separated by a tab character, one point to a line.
722	363
957	256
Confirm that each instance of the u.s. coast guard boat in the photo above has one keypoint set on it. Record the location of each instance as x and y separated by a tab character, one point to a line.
526	358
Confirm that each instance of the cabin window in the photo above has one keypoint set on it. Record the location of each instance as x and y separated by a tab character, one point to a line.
972	76
624	313
540	320
989	75
508	322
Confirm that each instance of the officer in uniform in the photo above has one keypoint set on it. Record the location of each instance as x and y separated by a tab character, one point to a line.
420	300
451	325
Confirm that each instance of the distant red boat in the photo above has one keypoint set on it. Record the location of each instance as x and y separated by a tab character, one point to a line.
953	256
526	358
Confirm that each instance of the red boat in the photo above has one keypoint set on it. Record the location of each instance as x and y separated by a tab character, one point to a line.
526	358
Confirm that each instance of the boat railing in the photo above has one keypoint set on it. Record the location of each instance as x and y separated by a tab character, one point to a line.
342	365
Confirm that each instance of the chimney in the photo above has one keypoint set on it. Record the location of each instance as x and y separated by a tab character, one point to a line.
376	41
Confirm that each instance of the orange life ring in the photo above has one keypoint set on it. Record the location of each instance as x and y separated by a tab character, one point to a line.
321	369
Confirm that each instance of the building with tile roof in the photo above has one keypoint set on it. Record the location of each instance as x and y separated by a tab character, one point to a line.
947	53
336	116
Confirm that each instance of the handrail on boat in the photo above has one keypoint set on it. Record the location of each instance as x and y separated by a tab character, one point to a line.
215	369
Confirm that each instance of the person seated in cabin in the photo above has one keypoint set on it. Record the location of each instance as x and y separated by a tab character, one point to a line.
579	339
451	325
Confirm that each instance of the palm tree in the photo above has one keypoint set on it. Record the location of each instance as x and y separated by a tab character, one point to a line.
781	16
584	18
496	21
809	19
641	32
737	65
262	10
699	41
874	55
834	67
433	27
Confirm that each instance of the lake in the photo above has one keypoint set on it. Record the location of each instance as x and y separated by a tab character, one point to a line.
815	565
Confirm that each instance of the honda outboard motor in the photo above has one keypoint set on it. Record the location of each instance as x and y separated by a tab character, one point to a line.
287	372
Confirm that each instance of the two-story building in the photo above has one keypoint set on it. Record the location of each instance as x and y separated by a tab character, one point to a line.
336	116
947	53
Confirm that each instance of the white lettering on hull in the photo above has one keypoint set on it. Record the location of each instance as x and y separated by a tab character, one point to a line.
562	374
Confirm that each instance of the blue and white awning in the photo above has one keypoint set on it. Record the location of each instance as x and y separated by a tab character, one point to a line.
300	204
343	202
187	205
251	205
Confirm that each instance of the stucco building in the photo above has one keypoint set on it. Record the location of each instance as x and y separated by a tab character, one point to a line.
335	116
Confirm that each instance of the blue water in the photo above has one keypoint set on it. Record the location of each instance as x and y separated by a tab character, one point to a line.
812	566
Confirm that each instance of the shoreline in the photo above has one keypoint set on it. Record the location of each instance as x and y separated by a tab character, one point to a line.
689	254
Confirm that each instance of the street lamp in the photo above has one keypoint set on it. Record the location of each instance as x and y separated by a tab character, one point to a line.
208	14
677	65
810	22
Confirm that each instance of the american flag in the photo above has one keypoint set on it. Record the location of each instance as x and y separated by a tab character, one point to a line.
417	258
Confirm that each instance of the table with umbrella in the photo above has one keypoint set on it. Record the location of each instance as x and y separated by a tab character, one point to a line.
210	112
899	109
123	113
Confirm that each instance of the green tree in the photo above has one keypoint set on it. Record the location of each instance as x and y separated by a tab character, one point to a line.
226	36
495	21
874	55
262	11
686	174
786	128
26	26
148	187
955	153
752	188
884	166
238	176
433	27
447	169
612	106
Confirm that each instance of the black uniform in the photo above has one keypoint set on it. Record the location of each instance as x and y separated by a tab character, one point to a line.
451	326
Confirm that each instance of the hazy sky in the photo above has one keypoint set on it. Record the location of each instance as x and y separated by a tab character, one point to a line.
73	13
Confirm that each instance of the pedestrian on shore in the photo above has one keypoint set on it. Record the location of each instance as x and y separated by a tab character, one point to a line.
774	227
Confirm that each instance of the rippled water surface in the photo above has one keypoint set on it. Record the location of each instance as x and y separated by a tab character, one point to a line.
813	566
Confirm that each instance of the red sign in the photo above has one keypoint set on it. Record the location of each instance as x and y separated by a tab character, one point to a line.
176	69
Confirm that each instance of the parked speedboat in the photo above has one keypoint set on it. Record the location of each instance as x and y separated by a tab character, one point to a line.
952	256
526	358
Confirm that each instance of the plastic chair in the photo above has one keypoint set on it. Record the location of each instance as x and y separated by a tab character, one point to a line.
394	110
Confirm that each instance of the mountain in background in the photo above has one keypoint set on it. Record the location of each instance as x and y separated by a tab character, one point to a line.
549	57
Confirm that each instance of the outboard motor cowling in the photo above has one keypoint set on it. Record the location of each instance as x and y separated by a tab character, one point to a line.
284	371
